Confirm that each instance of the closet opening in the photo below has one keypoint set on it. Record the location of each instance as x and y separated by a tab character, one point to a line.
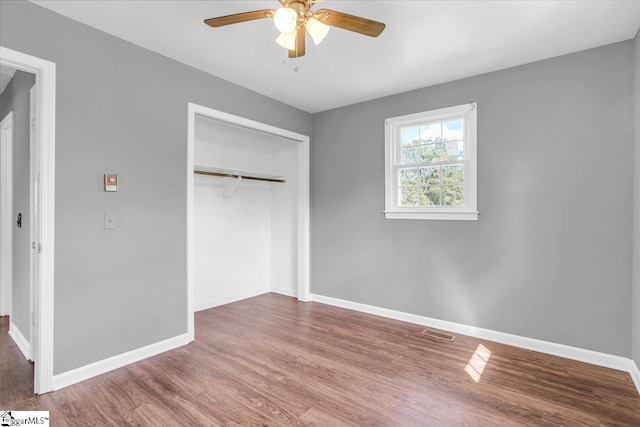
247	210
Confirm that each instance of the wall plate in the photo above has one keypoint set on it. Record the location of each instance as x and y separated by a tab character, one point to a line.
110	182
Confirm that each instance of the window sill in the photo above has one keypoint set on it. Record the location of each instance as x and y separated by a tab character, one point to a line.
457	216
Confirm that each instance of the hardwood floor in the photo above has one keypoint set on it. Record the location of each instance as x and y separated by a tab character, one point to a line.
16	374
270	360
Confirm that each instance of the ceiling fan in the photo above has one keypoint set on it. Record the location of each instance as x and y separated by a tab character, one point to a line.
296	16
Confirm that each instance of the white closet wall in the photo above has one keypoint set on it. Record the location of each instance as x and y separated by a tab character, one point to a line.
245	232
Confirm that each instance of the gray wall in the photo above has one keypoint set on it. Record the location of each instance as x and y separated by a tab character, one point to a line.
121	109
550	256
635	337
16	98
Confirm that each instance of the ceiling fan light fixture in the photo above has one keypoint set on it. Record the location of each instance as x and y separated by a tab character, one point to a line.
285	19
287	40
316	29
295	18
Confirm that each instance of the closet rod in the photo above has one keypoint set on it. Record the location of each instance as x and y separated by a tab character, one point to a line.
229	175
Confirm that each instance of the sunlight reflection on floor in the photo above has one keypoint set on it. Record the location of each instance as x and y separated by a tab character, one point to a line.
477	363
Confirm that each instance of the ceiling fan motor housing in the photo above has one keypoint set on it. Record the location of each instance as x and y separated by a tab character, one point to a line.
302	8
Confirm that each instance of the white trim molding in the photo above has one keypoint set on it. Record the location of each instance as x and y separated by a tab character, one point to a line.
34	171
6	214
42	340
635	374
304	286
191	132
23	344
107	365
205	305
574	353
304	239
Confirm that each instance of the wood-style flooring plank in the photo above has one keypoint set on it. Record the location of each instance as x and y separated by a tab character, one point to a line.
273	361
16	374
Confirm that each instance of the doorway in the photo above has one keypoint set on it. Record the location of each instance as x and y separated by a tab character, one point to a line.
299	194
41	189
17	210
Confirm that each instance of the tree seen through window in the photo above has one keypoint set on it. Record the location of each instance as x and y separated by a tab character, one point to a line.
431	171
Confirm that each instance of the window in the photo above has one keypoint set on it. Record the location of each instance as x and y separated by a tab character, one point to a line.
430	165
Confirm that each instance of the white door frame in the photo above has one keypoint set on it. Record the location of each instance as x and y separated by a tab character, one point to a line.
194	110
6	215
45	90
33	211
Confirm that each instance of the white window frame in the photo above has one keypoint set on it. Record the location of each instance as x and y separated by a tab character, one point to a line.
393	125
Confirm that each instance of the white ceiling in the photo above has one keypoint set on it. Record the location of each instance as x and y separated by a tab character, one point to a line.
424	43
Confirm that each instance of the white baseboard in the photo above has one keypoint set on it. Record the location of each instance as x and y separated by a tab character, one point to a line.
103	366
20	340
635	374
205	305
574	353
285	292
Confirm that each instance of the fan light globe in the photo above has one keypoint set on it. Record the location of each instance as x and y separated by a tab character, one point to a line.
287	40
316	29
285	19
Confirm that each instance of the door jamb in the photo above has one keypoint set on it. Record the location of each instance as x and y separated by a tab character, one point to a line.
45	72
33	213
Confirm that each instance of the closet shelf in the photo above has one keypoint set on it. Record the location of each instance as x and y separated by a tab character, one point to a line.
236	173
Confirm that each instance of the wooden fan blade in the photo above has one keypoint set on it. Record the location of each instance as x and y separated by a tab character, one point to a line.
300	38
350	22
239	17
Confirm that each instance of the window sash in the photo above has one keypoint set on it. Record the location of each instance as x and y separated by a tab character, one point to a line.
398	165
394	164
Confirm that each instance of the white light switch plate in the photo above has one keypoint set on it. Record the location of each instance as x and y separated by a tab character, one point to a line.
109	221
